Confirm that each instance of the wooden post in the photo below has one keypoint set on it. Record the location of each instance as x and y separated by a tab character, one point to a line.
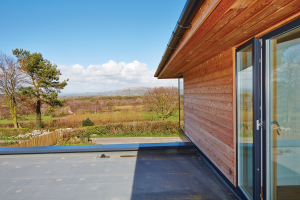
274	117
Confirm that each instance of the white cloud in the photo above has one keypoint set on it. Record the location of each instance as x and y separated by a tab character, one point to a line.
110	76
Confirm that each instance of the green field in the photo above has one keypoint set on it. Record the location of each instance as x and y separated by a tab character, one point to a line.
152	116
26	119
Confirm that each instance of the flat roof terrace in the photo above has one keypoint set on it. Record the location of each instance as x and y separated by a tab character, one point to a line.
143	174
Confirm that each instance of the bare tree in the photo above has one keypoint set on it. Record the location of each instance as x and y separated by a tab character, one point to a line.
162	100
11	78
289	76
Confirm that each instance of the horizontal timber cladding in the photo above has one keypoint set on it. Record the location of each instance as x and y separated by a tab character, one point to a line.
228	24
208	105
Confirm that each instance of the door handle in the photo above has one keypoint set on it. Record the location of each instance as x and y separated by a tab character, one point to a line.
278	126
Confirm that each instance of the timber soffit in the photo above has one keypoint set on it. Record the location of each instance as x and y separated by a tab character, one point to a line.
189	11
230	23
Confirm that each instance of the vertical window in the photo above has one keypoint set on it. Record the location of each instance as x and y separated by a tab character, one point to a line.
244	77
283	115
181	102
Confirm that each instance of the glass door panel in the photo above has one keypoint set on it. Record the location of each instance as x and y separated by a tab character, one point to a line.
244	80
283	116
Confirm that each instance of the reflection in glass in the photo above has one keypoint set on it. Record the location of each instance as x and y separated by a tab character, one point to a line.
245	119
283	122
181	103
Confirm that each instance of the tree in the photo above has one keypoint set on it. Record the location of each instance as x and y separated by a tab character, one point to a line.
110	104
11	78
162	100
289	77
44	81
87	122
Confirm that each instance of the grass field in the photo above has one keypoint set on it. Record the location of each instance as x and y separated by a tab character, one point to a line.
121	114
25	119
152	116
137	108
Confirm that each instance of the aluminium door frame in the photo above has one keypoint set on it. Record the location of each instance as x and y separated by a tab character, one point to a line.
256	61
265	87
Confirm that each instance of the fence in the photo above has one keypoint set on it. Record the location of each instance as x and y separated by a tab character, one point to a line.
44	140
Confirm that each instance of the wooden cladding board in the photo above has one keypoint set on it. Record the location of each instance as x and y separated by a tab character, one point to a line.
221	25
208	105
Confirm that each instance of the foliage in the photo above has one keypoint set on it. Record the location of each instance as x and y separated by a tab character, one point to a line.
152	116
110	104
8	143
127	114
134	129
44	81
163	101
11	79
60	112
288	84
119	97
139	101
87	122
13	132
108	97
149	128
72	144
75	136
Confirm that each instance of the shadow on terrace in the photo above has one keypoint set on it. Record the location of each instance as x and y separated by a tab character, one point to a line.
166	173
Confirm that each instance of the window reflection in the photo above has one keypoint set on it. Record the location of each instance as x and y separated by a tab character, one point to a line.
181	102
284	116
245	119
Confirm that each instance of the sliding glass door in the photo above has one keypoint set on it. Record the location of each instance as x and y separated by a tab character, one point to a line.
248	139
282	102
268	115
245	119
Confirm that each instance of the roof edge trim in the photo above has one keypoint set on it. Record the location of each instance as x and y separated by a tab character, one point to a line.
187	15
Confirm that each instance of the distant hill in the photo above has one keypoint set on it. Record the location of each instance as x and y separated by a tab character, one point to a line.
88	94
128	91
133	91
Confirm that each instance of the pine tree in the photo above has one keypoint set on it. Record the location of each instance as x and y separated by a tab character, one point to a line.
43	77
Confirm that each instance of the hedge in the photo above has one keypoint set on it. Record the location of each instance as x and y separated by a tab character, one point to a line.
170	127
132	129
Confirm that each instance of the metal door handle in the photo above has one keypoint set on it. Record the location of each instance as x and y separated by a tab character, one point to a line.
278	126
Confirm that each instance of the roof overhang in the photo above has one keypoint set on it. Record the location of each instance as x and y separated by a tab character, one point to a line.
222	25
193	15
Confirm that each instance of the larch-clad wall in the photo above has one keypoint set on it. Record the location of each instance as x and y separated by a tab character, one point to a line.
208	104
204	56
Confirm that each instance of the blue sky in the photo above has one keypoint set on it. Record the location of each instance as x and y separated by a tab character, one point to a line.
88	40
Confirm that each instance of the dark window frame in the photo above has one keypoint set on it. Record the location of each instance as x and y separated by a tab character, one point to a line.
256	60
279	31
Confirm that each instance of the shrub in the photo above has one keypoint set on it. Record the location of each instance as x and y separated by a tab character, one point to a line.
158	128
110	104
13	132
87	122
60	112
132	129
140	101
81	135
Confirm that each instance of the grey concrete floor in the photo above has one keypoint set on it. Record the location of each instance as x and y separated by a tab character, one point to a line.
161	174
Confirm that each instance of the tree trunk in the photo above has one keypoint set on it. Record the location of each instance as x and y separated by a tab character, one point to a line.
15	121
13	112
38	115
